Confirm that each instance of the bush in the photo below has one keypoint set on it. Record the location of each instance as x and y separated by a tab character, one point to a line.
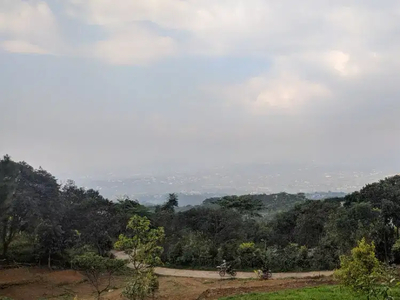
250	255
141	286
363	273
95	266
21	249
396	252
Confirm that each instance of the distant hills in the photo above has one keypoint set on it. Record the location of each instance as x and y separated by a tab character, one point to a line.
274	203
195	186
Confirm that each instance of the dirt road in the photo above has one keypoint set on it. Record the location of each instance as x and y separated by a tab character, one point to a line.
215	275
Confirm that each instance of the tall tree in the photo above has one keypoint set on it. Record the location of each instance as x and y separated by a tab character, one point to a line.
170	204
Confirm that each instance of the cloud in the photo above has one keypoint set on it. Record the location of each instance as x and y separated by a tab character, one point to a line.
28	27
134	47
17	46
280	92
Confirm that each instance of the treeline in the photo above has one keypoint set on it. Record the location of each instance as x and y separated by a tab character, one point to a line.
48	223
312	235
43	222
262	204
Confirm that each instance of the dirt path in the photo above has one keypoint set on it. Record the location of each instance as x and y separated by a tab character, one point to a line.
215	275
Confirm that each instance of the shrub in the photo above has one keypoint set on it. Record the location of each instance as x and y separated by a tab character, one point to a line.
95	267
363	273
141	286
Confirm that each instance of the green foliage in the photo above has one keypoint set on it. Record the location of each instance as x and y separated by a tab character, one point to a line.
142	243
245	205
171	203
142	246
363	273
141	286
396	251
261	204
318	293
250	256
55	220
193	249
43	222
96	268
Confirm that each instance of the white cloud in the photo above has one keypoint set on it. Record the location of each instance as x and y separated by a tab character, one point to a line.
281	92
134	47
341	63
16	46
27	27
212	27
244	27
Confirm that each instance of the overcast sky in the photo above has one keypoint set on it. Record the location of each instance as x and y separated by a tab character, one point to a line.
90	86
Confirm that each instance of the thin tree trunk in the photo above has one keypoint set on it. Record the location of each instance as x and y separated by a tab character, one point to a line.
49	260
386	252
5	249
4	239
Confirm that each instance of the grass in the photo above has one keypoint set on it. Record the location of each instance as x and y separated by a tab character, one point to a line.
318	293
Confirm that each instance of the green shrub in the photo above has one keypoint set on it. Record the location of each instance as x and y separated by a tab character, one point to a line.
141	286
363	273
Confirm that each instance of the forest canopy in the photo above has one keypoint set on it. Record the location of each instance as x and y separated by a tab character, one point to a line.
45	222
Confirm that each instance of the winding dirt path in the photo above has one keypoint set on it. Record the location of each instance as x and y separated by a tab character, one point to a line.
215	275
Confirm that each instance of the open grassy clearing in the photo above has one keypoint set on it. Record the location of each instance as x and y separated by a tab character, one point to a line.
314	293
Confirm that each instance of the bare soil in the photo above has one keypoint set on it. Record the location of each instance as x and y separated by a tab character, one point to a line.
35	283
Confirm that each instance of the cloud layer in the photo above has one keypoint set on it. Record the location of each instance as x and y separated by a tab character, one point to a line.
321	70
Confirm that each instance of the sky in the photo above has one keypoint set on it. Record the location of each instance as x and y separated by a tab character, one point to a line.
98	86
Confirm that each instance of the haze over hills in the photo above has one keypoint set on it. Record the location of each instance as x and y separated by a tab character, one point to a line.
194	186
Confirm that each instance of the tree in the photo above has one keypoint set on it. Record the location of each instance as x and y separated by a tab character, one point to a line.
141	244
171	203
50	240
96	218
245	205
250	255
361	270
28	197
9	177
97	270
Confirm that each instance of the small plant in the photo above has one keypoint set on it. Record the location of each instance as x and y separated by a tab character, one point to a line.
96	268
141	286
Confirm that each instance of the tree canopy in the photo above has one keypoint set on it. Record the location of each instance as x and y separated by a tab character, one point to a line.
45	222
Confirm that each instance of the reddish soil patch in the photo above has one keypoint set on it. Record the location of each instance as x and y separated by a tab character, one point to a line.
32	291
34	283
272	286
10	277
63	277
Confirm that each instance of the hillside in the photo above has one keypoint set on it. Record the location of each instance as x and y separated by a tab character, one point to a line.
274	203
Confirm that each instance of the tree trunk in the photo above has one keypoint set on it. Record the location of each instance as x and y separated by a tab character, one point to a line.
386	251
4	239
5	249
49	261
